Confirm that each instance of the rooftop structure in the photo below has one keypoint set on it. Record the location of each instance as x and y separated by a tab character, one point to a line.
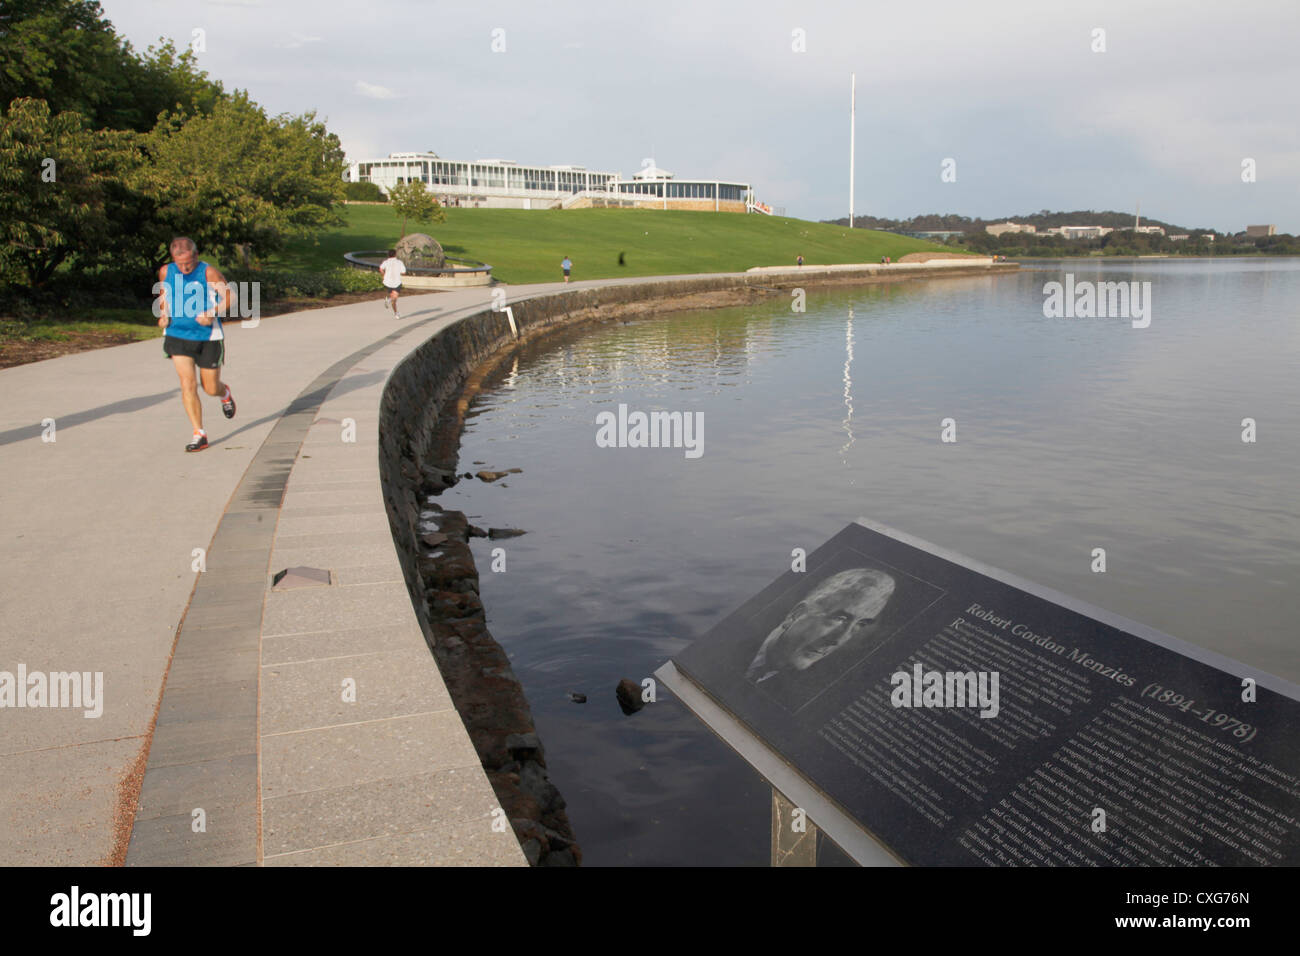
505	184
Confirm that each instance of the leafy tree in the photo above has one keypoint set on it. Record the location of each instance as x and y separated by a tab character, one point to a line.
412	201
66	53
162	80
238	178
62	51
55	182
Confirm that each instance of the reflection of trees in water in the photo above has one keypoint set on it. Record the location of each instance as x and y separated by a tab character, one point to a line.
730	341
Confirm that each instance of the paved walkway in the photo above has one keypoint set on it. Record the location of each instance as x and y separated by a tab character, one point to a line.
257	757
97	552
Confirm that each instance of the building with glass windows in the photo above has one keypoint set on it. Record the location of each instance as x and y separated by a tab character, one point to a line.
502	184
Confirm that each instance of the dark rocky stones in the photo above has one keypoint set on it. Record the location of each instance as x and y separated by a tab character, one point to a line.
577	698
495	533
490	476
533	780
629	696
524	747
532	851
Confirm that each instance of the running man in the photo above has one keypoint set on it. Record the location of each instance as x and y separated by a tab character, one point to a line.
393	269
194	296
566	265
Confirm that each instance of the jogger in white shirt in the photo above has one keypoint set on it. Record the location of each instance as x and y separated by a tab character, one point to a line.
392	270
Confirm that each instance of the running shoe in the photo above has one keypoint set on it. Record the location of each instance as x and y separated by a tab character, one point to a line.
228	403
198	443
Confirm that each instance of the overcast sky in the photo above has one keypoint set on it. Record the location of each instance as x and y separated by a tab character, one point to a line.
1184	92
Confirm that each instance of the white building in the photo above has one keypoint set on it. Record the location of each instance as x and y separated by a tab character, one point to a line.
503	184
998	228
1085	232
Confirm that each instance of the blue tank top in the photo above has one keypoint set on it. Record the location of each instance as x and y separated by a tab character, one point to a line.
187	296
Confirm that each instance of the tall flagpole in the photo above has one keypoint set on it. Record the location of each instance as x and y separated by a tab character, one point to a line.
853	108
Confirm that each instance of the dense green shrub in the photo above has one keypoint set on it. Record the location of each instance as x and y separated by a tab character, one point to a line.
363	192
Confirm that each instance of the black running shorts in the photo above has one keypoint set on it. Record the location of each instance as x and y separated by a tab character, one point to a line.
206	354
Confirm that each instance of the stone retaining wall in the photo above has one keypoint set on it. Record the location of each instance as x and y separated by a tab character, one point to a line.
418	431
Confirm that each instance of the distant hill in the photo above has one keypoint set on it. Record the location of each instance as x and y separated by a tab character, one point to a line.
1043	219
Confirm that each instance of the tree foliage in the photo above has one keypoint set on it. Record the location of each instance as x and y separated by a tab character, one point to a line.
66	53
238	177
105	153
412	201
63	192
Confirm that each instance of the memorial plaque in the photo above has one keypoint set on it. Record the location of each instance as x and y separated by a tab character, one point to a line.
959	715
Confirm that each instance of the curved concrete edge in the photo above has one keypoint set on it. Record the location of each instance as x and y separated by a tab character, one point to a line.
422	388
312	727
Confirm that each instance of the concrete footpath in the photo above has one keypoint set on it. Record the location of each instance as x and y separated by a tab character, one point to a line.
308	726
100	528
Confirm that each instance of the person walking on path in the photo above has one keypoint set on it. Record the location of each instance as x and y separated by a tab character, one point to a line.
193	297
566	265
393	269
799	261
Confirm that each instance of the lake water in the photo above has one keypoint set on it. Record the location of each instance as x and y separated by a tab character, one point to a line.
1072	434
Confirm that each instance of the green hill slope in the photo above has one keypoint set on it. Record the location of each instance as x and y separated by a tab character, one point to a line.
525	245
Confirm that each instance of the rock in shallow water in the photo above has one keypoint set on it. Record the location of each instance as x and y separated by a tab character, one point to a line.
629	696
577	698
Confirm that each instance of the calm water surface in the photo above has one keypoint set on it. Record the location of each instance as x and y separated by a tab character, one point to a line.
1072	434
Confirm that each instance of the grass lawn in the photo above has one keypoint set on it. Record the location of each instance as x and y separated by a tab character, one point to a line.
130	323
526	245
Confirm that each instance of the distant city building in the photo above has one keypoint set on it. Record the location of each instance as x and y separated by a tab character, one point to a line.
1085	232
935	233
998	228
1256	232
1178	237
1206	235
1150	230
503	184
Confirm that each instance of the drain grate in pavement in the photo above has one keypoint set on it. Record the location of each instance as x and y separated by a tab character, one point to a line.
300	578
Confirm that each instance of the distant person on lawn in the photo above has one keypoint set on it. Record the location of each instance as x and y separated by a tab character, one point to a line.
566	265
194	296
392	269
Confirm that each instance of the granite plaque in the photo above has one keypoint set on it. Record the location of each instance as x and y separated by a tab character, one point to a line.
962	716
